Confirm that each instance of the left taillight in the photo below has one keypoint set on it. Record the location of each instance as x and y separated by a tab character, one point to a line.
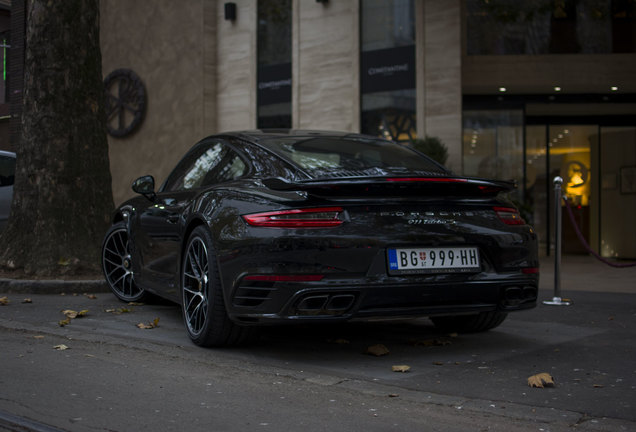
323	217
509	215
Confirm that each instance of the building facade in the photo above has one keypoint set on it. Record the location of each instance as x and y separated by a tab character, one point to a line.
521	91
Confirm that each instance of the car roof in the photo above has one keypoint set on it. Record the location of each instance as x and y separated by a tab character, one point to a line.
257	135
7	153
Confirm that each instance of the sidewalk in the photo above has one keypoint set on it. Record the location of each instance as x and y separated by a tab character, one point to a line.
586	273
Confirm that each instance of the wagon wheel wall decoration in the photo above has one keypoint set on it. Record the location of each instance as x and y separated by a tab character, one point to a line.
125	102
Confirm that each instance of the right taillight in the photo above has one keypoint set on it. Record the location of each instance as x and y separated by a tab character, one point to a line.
509	215
323	217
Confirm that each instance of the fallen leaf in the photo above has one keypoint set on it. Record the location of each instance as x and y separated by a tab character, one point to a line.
394	395
38	337
438	363
27	300
91	296
150	325
401	368
118	311
4	301
64	322
541	380
135	304
61	347
377	350
598	386
71	314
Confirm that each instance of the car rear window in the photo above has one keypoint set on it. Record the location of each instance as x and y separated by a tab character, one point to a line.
352	156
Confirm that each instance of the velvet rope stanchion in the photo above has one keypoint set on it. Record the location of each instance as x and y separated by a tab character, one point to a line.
556	299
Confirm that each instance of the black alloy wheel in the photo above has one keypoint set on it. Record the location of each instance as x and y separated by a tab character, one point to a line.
117	265
204	313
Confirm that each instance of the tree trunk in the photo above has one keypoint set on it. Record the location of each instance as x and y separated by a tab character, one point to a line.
62	193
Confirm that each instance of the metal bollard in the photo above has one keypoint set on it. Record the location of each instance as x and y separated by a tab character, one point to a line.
557	300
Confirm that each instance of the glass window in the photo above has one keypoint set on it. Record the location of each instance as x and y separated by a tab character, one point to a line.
7	171
274	64
500	27
207	164
323	156
493	145
387	63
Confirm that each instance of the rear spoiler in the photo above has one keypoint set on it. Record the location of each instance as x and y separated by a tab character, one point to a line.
394	186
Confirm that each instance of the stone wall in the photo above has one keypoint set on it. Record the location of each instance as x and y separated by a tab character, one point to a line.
161	41
326	71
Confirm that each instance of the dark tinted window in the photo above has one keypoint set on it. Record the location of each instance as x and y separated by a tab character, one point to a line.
207	164
502	27
7	170
274	46
387	69
352	156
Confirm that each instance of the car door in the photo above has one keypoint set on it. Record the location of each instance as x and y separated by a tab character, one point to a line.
159	228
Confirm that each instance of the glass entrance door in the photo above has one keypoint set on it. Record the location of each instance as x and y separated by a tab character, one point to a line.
618	192
570	148
565	151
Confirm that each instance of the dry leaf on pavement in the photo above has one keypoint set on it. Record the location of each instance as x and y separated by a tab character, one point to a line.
150	325
377	350
541	380
71	314
401	368
61	347
4	301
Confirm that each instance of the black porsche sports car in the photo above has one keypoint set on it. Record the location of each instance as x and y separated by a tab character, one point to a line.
288	226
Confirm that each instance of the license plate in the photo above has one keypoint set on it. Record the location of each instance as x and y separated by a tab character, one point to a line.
434	260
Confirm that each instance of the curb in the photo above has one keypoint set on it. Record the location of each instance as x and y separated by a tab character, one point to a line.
24	286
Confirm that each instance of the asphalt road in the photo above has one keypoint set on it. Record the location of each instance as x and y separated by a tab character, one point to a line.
115	376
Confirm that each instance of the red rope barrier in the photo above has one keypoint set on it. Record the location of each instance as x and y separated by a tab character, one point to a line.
587	246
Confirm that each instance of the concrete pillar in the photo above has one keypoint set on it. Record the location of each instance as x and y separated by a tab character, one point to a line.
439	77
325	68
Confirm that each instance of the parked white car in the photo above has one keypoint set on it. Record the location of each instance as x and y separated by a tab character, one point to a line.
7	178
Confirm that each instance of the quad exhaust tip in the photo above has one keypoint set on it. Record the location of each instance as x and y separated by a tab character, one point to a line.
325	304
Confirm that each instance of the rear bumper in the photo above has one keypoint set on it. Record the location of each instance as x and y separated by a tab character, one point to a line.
309	302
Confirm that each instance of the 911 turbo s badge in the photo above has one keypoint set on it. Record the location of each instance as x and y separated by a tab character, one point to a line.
428	218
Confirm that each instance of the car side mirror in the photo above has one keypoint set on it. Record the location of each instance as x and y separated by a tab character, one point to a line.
145	186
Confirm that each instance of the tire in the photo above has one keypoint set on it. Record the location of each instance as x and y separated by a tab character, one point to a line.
470	323
117	265
202	304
